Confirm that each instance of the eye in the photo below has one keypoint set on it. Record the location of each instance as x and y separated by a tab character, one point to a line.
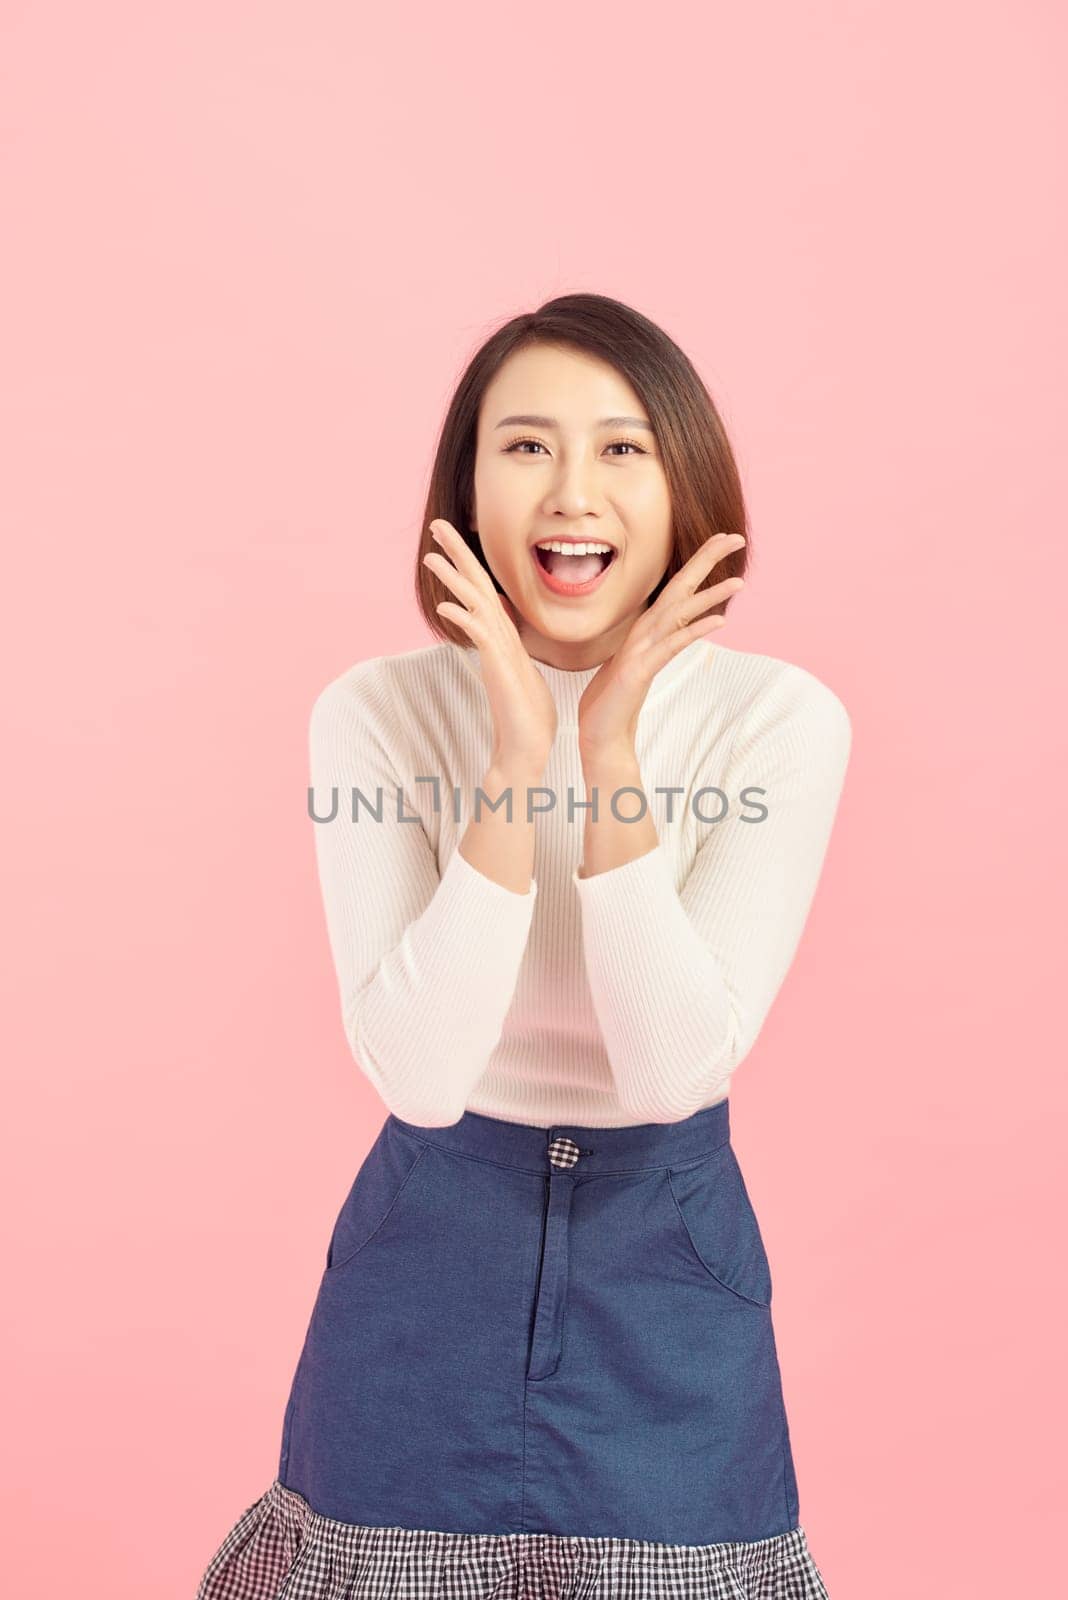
514	446
631	444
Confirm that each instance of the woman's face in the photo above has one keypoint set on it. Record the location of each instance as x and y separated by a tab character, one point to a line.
551	464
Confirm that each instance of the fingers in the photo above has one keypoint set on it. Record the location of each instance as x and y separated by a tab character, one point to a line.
681	600
462	587
694	604
459	615
468	579
666	648
677	618
459	569
701	563
460	552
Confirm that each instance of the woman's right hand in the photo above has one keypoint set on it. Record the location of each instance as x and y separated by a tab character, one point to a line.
524	713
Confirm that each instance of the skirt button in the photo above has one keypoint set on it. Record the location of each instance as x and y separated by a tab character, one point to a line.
563	1152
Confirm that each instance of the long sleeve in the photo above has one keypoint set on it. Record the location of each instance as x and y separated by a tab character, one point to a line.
426	963
682	981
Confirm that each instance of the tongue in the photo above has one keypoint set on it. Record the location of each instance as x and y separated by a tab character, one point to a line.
573	569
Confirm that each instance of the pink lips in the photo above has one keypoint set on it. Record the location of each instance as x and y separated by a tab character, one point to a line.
558	586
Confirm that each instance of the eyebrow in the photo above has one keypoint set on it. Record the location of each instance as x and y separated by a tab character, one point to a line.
551	422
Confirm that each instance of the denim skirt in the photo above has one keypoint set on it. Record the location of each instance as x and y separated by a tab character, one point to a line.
540	1366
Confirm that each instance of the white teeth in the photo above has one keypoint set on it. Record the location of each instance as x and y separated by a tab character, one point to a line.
575	549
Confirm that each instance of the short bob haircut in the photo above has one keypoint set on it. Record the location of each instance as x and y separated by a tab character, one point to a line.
703	481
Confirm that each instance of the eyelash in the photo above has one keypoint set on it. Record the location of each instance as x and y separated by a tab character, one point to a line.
514	446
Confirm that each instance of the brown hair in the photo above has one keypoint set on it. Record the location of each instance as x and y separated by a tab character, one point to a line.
703	480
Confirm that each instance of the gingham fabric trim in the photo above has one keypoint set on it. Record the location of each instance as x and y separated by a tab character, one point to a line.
280	1549
563	1152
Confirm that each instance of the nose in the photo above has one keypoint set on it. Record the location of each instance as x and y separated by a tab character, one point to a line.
574	490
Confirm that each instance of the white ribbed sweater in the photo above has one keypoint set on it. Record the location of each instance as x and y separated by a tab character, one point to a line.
626	997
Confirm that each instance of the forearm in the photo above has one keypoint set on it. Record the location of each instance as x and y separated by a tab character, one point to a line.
499	842
426	1022
611	840
629	952
683	973
665	1008
427	952
442	994
454	972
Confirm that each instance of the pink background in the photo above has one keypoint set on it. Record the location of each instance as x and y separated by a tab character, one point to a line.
249	248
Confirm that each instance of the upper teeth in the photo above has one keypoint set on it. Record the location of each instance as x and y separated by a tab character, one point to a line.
575	549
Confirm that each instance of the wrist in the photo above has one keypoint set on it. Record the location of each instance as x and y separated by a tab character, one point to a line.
514	771
603	762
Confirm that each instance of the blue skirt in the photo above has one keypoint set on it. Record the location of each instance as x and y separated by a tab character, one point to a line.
540	1365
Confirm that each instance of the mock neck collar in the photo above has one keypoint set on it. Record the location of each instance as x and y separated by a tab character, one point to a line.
567	687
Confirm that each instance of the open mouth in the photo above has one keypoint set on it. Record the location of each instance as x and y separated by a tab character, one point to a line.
564	564
572	567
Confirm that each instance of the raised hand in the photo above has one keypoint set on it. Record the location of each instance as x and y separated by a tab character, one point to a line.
524	715
608	710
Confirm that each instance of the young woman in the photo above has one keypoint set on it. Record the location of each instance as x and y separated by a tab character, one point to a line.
566	860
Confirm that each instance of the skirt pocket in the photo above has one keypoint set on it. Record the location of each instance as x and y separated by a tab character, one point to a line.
716	1216
376	1196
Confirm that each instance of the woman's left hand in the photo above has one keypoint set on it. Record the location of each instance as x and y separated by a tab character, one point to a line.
608	710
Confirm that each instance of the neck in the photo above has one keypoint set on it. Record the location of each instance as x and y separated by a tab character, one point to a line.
580	655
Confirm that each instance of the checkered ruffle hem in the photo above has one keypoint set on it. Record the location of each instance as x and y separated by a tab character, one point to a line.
280	1549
